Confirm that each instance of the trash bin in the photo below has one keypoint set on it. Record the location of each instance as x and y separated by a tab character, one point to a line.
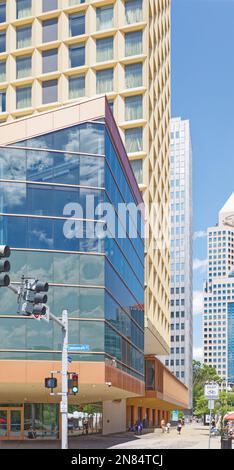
226	443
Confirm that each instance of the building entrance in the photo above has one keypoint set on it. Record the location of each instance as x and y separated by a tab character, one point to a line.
11	424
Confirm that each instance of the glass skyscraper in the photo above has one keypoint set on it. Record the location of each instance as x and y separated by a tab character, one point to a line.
231	342
99	280
218	332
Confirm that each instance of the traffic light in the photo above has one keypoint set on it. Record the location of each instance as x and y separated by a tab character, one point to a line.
74	384
40	298
33	298
51	382
5	266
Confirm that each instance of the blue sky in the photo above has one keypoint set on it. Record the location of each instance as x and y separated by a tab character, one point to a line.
203	92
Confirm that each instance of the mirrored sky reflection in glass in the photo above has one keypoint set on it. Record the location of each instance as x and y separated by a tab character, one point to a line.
86	284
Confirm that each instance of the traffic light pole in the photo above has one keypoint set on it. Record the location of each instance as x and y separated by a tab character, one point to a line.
63	323
64	402
64	373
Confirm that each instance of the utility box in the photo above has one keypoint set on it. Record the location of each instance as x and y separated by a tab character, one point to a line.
226	442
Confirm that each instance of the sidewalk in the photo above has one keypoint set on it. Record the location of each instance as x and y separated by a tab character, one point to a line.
193	436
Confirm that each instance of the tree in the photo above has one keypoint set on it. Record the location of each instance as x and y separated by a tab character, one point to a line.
202	373
224	403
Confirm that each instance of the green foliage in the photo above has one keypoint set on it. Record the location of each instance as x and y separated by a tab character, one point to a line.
202	373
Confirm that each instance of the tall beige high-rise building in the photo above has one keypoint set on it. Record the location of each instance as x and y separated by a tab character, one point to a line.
53	52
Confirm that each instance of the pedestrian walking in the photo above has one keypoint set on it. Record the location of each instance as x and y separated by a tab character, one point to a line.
179	427
168	427
163	425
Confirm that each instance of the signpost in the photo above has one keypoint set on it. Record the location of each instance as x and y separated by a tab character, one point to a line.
211	394
211	404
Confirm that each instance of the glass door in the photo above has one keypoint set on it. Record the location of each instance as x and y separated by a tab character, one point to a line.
3	423
11	423
15	422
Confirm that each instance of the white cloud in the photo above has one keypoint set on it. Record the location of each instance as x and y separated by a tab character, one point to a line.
198	354
199	264
197	302
199	234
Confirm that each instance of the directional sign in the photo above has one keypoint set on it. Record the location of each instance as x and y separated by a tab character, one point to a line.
212	391
78	347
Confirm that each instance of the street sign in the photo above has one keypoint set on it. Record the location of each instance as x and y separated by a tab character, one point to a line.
69	358
211	391
211	404
78	347
63	407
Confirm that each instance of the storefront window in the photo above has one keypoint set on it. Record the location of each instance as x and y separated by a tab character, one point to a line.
85	419
41	421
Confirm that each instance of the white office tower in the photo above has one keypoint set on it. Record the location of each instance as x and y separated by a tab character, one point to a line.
218	306
181	352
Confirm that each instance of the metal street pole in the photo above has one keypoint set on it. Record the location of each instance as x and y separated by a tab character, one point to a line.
209	430
64	402
64	372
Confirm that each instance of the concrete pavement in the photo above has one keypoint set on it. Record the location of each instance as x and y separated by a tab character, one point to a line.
193	436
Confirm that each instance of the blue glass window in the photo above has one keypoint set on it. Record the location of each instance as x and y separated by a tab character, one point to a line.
85	138
2	101
105	17
23	8
49	5
2	12
50	30
2	41
133	11
23	97
105	80
133	43
23	36
2	71
77	24
50	91
77	55
49	61
76	86
105	49
23	66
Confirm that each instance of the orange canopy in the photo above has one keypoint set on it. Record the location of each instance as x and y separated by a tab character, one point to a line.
229	416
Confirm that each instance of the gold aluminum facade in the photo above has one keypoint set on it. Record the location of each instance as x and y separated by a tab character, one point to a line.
154	120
